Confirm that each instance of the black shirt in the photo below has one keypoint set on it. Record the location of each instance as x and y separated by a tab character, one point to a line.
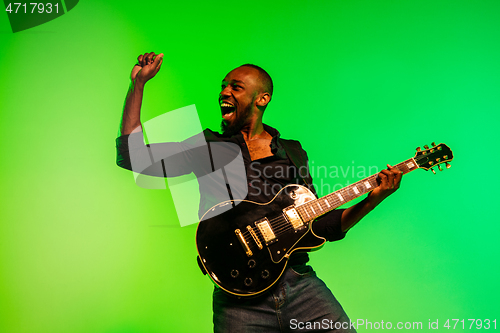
264	177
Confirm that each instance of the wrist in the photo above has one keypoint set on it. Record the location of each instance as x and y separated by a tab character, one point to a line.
373	200
138	84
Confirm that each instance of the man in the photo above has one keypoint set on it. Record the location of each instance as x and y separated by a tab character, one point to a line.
299	300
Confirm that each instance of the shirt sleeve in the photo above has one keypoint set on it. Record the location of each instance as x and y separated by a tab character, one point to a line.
170	159
329	226
122	152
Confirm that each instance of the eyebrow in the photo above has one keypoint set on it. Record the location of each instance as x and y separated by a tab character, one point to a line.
237	81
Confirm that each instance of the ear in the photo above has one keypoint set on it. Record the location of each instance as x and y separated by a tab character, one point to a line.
264	99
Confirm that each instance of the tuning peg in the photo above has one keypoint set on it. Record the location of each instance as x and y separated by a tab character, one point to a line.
448	165
418	149
426	147
439	167
433	144
434	172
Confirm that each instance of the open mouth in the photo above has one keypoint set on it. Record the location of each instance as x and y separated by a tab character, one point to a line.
227	110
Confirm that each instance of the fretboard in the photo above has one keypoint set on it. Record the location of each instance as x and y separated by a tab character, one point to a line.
315	208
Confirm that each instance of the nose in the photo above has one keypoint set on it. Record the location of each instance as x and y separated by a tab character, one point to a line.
225	92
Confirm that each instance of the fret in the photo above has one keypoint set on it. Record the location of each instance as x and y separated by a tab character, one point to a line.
346	193
407	166
355	189
308	215
315	208
299	210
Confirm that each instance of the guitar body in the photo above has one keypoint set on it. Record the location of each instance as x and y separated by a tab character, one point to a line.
236	262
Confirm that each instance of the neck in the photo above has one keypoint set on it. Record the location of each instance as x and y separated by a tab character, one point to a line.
254	129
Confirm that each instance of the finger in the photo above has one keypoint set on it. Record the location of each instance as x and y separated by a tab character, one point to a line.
139	60
383	178
390	176
385	172
390	180
389	183
398	174
159	66
392	168
145	59
150	58
397	178
136	68
158	60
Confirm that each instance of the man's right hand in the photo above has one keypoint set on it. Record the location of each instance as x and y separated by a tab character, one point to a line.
148	64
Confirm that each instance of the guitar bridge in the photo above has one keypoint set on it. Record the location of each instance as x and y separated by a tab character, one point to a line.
266	231
294	218
243	242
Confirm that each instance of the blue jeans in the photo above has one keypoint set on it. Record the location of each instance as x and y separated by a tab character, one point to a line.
298	302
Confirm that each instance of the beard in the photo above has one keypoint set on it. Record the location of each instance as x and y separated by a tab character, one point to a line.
230	129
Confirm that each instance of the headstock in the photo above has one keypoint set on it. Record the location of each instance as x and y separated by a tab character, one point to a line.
434	156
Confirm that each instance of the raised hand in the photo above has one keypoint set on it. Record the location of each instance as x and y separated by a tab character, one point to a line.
148	64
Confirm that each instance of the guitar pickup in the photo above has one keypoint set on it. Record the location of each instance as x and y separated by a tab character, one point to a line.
254	236
294	218
266	231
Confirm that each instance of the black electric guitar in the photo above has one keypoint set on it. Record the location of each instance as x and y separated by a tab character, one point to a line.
245	249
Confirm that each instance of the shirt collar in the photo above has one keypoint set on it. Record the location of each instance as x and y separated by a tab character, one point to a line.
276	147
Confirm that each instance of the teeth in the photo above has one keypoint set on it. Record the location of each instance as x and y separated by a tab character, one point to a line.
226	105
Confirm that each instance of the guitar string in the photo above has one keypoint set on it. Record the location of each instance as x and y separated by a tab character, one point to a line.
284	225
280	224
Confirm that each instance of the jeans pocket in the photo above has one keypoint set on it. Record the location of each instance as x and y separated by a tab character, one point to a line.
302	270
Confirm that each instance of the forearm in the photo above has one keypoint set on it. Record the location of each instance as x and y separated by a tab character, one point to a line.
390	180
131	118
354	214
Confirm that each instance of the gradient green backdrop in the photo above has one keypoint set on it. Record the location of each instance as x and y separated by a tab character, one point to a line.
83	249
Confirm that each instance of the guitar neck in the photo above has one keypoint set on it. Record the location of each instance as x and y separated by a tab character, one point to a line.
315	208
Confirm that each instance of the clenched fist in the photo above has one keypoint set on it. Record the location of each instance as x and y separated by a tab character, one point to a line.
148	64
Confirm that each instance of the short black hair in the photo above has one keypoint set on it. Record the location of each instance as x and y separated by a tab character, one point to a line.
265	78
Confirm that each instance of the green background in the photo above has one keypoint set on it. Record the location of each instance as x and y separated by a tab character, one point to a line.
83	249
